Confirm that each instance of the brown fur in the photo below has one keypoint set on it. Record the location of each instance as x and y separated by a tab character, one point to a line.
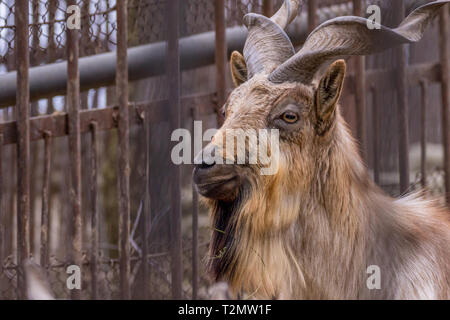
238	68
311	230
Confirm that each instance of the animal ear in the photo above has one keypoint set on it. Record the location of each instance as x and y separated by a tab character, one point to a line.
238	68
329	91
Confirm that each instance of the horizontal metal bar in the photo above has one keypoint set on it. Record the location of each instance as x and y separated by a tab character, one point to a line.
57	124
143	61
385	79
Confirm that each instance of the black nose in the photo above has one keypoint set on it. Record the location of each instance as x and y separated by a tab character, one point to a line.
205	165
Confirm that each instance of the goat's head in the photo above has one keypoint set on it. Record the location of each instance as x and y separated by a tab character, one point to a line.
296	93
276	88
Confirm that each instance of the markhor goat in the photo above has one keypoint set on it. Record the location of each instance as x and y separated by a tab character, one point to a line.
311	230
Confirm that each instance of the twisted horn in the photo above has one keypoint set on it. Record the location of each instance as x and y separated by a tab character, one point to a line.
267	45
286	13
348	36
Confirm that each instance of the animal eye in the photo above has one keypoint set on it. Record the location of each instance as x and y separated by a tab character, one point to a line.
289	117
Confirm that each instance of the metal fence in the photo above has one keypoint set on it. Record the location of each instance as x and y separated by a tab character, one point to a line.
79	129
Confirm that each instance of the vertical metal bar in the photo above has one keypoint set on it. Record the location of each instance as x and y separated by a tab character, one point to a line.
84	41
23	138
312	15
11	205
444	26
2	209
402	105
45	214
73	105
35	41
34	111
423	132
194	243
124	136
233	11
52	7
34	60
147	207
267	8
360	90
94	212
173	75
376	137
220	56
85	25
46	193
194	231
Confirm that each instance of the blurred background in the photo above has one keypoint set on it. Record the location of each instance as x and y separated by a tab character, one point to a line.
401	135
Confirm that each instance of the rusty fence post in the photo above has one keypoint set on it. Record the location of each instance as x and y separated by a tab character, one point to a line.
34	111
45	212
147	209
376	137
94	211
52	7
220	56
23	139
423	131
2	209
195	278
124	165
360	90
444	26
73	105
402	104
312	15
173	77
267	8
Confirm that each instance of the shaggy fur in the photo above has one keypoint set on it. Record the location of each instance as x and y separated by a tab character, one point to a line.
311	230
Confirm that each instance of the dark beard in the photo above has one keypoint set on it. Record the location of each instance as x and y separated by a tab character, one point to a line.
222	248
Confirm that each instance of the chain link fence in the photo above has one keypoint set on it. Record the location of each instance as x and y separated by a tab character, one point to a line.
47	25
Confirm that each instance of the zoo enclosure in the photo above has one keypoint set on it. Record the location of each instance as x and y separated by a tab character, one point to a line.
35	45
